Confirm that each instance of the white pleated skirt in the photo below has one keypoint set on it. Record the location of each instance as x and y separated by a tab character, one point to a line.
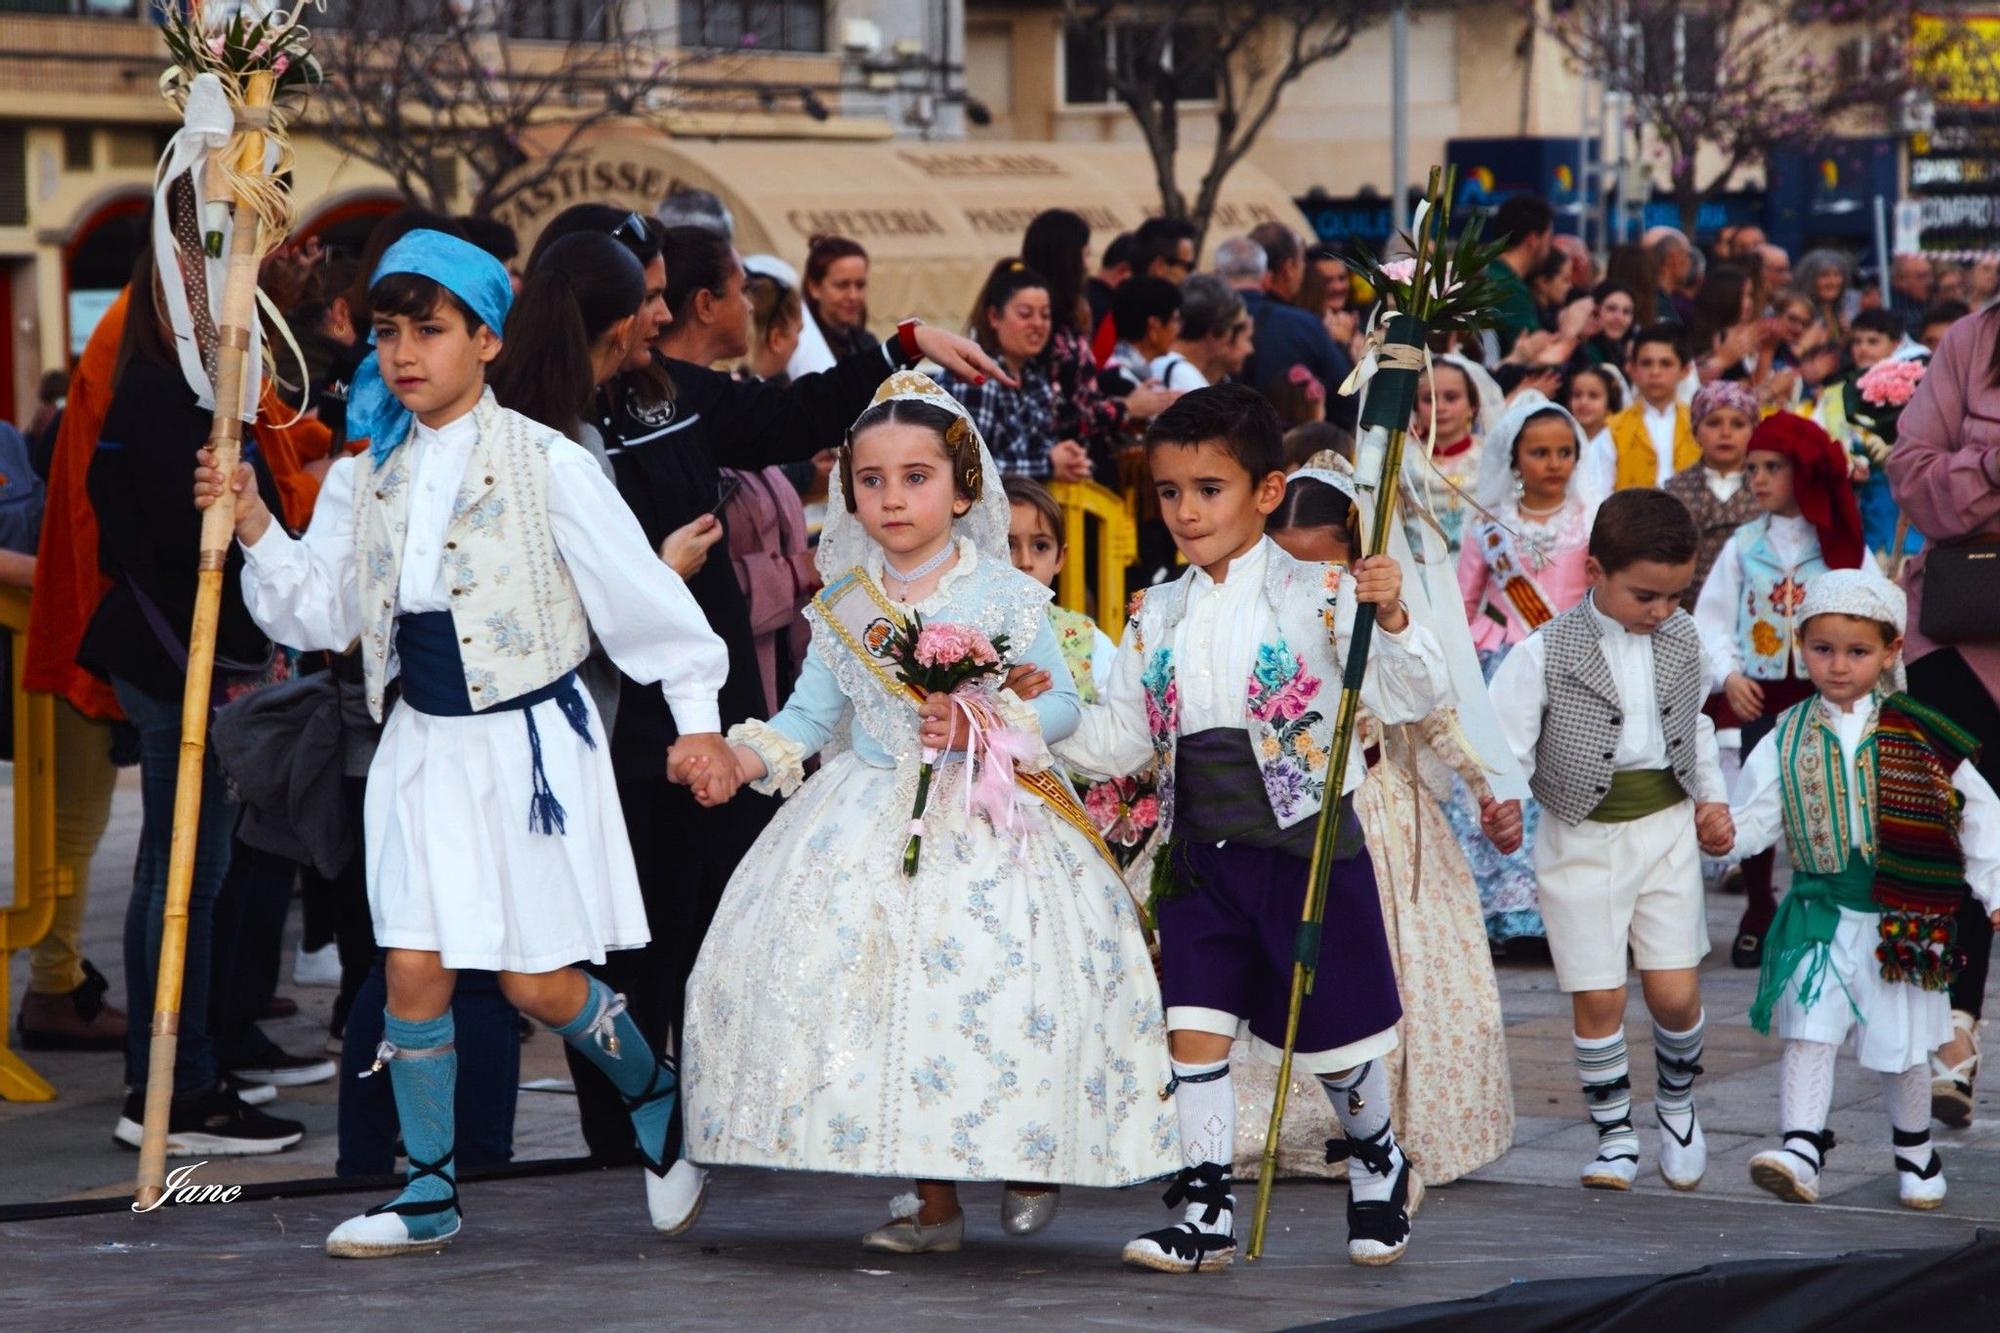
453	867
1899	1024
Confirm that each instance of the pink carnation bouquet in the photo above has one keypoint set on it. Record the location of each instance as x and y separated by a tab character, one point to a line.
954	660
1891	383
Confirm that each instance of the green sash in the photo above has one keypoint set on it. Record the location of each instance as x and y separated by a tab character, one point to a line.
1803	930
1638	792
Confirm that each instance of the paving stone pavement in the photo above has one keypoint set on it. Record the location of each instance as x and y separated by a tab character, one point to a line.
536	1247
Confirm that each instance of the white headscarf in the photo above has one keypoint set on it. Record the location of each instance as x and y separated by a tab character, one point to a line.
1486	393
844	544
1863	593
812	353
1495	483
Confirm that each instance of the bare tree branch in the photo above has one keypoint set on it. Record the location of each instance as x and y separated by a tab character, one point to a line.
425	90
1738	78
1251	52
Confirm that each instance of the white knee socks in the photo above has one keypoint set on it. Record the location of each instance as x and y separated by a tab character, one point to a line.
1361	1102
1805	1086
1908	1098
1205	1098
1677	1057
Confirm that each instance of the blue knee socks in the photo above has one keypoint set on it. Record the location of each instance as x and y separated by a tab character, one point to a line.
606	1036
424	1076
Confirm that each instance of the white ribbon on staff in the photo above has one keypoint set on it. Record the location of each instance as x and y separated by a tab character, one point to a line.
207	122
1431	592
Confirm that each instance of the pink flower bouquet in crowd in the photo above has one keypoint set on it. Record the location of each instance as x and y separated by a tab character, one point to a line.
1875	401
1891	383
938	659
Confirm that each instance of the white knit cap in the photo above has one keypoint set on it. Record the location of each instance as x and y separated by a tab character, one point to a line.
1862	593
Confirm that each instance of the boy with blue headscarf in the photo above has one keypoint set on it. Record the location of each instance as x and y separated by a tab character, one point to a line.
472	552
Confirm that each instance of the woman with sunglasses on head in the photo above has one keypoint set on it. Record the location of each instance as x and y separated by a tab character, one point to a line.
669	424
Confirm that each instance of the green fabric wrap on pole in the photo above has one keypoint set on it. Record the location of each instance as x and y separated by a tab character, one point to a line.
1392	393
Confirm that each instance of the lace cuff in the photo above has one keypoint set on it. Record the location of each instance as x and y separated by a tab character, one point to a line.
784	758
1017	716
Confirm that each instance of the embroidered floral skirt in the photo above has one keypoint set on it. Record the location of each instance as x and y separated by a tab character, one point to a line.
1452	1097
995	1017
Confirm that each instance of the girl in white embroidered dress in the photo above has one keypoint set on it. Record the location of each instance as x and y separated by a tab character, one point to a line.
993	1017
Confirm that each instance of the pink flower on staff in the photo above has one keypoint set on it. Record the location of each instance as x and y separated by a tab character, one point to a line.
1891	383
949	645
1400	270
281	64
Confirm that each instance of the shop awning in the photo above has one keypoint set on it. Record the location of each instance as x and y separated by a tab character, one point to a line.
934	216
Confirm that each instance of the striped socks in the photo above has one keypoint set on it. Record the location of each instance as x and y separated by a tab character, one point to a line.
1677	1058
1606	1073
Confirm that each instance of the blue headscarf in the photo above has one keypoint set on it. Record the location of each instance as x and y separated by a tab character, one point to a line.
461	268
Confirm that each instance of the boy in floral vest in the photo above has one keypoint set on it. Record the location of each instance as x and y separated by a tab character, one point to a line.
1228	679
1603	709
1748	611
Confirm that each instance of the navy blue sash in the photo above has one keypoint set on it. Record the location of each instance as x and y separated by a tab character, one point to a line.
432	675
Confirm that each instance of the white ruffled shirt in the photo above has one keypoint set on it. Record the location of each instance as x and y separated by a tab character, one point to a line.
304	592
1520	694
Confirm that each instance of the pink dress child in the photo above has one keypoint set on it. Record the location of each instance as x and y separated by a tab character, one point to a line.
1518	571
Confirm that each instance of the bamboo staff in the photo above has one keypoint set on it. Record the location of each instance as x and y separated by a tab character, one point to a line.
218	530
1389	406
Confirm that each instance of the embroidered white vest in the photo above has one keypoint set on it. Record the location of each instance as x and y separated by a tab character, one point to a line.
519	620
1289	698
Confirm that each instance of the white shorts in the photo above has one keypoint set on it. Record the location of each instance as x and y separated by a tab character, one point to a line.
1899	1024
1605	888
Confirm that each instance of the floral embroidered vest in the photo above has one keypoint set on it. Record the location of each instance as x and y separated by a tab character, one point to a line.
1767	625
520	622
1289	699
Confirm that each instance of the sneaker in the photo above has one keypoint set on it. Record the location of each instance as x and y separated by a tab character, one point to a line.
286	1071
1190	1246
1920	1187
250	1094
210	1124
74	1020
316	967
1683	1161
1792	1172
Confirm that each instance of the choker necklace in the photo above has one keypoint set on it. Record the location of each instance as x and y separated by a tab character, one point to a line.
1550	512
926	567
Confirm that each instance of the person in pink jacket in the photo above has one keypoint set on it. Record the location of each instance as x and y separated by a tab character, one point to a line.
1945	475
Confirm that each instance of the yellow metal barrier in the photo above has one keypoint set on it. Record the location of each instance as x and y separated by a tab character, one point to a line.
1099	532
26	916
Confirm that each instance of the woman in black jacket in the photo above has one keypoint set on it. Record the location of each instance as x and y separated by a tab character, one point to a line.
148	539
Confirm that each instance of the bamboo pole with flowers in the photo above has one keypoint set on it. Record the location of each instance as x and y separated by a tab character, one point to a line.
235	79
1442	288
